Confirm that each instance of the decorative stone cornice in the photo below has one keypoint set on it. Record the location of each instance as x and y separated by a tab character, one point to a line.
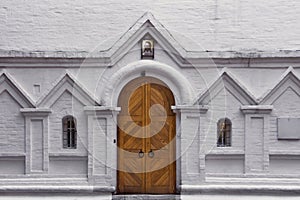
257	109
147	24
90	110
250	188
191	108
55	188
41	112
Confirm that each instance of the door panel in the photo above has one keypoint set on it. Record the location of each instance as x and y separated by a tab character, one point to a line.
161	167
130	142
146	140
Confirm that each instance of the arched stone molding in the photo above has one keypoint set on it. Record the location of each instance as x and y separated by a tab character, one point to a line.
179	85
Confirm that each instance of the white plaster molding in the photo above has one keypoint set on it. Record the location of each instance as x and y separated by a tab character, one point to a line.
226	151
11	154
90	110
208	61
101	108
238	188
68	154
35	111
56	188
256	109
178	84
195	55
287	152
191	108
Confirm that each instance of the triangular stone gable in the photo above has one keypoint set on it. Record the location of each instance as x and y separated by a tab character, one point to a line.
6	96
289	94
7	83
67	96
147	26
69	84
289	80
231	85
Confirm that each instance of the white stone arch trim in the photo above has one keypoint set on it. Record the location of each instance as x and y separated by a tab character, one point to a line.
178	84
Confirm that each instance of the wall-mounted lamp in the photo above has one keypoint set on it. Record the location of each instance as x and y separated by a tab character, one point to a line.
147	49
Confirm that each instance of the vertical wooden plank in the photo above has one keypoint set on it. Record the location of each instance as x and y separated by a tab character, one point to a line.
162	179
147	133
130	142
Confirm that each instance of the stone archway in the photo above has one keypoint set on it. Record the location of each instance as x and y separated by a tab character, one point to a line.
178	84
111	88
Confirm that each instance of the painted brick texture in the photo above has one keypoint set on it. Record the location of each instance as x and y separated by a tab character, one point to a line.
78	25
67	105
224	104
286	105
231	25
12	133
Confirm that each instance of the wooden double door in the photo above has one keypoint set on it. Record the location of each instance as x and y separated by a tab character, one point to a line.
146	140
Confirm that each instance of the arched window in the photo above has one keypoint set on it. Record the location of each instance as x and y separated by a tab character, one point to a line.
224	133
69	132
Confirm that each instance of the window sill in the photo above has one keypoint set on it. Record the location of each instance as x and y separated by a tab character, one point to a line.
67	154
226	151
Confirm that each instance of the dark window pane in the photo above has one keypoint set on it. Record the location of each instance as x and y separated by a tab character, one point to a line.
224	132
69	132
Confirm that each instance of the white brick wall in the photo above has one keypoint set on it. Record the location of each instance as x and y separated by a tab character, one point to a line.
287	105
80	26
12	133
67	105
224	105
213	25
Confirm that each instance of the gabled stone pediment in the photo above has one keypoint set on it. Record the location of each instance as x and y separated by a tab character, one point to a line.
289	80
69	84
226	81
147	27
8	84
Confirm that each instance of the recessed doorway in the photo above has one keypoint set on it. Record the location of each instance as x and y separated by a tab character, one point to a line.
146	138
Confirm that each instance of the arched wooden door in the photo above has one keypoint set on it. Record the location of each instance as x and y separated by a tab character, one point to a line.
146	139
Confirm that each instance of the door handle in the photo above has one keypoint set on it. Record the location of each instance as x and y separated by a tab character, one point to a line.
141	154
151	153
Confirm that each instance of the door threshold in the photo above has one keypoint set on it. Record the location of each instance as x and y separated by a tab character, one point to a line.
146	197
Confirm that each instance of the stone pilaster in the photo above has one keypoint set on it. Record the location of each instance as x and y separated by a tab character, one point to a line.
102	146
192	160
36	132
256	138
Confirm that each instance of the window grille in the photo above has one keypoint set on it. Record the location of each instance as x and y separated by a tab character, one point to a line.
69	132
224	132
